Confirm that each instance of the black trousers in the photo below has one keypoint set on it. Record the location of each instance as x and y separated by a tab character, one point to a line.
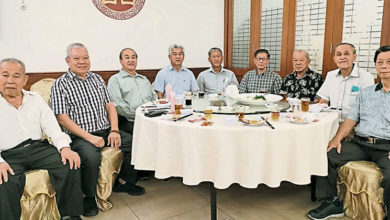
91	159
40	155
358	150
125	125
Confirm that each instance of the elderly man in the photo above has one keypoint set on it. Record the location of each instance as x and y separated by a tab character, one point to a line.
303	82
181	79
261	79
217	78
342	86
24	117
371	114
129	90
83	107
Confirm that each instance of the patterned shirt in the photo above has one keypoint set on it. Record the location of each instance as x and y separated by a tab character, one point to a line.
372	112
83	100
304	87
252	82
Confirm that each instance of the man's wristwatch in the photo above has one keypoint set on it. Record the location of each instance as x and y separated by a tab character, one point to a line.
116	131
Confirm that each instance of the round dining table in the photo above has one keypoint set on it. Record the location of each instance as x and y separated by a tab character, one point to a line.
230	151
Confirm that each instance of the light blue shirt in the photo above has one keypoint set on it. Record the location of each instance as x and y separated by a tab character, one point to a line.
372	112
211	82
181	81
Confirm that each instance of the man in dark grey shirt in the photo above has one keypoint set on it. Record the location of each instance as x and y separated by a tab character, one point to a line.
371	114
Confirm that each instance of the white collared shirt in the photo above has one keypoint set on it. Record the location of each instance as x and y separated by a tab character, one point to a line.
30	120
342	92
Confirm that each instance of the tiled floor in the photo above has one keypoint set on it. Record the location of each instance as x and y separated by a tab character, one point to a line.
172	200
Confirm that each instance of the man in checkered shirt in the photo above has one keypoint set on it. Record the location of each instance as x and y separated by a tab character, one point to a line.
261	79
81	102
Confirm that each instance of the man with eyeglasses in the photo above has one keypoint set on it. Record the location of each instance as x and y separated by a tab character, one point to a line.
261	79
371	116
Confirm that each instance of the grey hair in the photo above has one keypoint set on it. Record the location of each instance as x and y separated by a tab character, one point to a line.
351	45
74	45
215	49
174	46
305	51
13	60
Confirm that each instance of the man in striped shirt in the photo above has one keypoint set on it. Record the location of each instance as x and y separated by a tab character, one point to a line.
81	102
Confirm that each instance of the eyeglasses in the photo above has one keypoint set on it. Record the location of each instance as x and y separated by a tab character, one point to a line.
262	59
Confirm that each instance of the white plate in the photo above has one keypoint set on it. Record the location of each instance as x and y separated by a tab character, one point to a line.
253	123
305	121
248	98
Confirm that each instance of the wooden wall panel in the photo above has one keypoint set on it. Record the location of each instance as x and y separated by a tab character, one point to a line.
149	73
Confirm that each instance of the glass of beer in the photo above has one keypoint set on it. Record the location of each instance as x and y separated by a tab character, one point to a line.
188	99
240	112
275	115
284	95
208	113
305	102
179	104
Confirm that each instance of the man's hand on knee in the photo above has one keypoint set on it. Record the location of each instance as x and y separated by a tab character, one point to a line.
334	144
71	156
4	170
114	140
96	140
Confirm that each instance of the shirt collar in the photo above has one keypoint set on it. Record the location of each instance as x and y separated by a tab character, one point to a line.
213	71
378	86
170	67
26	95
123	73
74	76
354	73
264	73
308	71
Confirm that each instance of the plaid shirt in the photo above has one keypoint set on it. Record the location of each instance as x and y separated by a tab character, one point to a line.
252	82
83	100
306	86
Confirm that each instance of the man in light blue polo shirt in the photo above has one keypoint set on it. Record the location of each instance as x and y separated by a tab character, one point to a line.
180	78
217	78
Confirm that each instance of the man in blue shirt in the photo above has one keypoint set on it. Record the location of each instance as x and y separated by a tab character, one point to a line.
371	114
180	78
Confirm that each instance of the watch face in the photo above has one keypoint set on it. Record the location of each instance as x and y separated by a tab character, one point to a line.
119	9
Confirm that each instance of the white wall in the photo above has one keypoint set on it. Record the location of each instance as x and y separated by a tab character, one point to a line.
39	35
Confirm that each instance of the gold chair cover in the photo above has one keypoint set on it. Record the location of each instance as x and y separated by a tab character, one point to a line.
109	169
43	87
359	187
38	200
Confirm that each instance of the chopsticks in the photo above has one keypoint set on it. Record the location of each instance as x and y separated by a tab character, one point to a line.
269	124
185	116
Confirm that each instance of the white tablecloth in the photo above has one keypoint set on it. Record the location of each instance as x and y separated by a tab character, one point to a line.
229	152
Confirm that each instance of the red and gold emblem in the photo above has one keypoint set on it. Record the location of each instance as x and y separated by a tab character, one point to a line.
119	9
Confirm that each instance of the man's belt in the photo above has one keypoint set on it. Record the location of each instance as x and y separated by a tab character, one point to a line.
373	140
24	144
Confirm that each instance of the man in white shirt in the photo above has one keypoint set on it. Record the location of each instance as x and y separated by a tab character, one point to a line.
343	85
24	117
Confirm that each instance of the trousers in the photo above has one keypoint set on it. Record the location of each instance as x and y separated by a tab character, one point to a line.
91	158
359	150
40	155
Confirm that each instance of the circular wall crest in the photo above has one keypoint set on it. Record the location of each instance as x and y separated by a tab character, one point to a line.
119	9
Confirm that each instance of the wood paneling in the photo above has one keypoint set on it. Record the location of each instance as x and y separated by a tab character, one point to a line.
385	36
149	73
288	37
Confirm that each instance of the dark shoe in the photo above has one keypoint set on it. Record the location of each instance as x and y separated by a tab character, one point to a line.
329	208
90	207
131	189
135	190
71	218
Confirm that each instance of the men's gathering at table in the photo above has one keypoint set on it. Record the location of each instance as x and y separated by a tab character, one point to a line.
85	115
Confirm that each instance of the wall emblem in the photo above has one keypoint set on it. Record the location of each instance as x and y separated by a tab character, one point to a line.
119	9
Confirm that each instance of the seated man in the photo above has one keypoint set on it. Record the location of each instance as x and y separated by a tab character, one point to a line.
181	79
342	85
24	116
371	114
303	82
261	79
83	107
217	78
129	90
